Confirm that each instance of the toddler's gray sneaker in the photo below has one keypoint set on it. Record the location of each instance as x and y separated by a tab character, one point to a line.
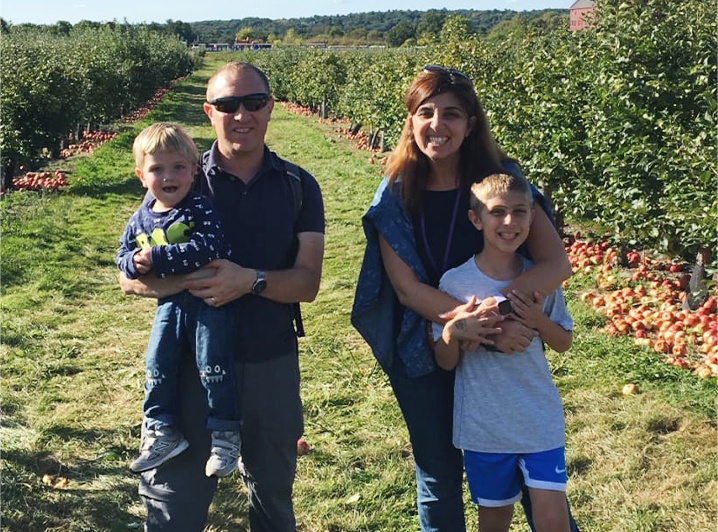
158	446
225	454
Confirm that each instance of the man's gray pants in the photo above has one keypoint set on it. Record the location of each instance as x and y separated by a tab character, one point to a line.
177	495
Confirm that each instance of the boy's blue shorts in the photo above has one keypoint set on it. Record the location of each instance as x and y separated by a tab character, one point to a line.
495	479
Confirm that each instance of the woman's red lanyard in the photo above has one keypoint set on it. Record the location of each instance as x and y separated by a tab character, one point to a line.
449	237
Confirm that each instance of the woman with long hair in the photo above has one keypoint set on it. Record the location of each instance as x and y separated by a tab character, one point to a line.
417	228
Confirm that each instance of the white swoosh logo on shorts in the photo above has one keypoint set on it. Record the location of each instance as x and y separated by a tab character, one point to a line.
560	471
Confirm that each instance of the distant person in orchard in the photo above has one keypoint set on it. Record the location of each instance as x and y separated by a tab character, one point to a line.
416	230
177	231
277	248
508	417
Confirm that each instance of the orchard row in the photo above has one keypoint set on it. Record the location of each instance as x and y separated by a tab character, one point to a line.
56	89
49	181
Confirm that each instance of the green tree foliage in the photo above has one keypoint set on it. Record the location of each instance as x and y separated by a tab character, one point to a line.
651	122
373	25
244	34
54	84
429	27
528	22
400	33
182	29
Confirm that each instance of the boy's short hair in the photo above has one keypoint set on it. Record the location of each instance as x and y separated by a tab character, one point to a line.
495	184
164	136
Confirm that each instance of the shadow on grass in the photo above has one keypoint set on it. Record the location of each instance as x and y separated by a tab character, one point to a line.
230	507
99	493
33	504
580	465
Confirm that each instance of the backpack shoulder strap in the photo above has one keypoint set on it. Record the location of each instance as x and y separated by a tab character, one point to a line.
294	178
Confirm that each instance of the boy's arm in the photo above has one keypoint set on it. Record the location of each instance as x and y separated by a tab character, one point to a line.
530	312
128	248
555	336
447	352
151	286
205	243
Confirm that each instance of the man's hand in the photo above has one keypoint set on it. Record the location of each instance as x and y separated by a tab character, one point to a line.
220	282
515	337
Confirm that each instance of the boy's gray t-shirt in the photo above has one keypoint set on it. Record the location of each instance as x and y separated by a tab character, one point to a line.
504	403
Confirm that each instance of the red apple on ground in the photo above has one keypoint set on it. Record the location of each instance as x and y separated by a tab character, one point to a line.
302	447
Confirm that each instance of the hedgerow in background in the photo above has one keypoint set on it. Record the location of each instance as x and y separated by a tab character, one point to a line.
56	85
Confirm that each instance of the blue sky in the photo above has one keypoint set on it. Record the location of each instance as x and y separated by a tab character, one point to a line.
134	11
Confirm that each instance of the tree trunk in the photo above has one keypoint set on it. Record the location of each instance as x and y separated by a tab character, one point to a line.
8	171
547	191
697	289
374	139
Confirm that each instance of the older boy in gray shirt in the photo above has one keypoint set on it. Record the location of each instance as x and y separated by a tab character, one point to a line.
508	416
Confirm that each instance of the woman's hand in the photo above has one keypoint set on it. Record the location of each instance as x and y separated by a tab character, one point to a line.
471	325
220	282
487	307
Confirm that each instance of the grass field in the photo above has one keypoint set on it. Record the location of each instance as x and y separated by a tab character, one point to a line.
72	371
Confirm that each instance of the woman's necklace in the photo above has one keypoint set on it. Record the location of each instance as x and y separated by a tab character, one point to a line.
447	249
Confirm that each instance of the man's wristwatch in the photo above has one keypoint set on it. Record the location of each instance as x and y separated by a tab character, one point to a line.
260	283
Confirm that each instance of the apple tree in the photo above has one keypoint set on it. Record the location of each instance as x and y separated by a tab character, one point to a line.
652	113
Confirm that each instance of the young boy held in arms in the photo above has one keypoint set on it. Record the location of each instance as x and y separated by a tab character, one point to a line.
176	231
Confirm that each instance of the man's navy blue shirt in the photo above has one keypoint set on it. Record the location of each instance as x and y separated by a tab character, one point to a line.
259	226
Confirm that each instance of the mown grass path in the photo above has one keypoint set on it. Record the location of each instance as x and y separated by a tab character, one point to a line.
72	369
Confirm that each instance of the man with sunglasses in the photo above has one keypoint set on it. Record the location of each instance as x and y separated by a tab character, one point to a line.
276	261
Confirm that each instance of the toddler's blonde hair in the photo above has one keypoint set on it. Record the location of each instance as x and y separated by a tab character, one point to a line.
164	136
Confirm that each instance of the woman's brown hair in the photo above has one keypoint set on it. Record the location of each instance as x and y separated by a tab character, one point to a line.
480	155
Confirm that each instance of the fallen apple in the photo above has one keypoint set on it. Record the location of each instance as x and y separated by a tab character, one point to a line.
302	447
630	389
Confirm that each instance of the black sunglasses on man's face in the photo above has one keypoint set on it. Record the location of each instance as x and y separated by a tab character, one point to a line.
230	104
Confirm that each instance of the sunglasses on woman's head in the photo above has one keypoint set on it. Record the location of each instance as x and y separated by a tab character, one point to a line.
230	104
438	69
